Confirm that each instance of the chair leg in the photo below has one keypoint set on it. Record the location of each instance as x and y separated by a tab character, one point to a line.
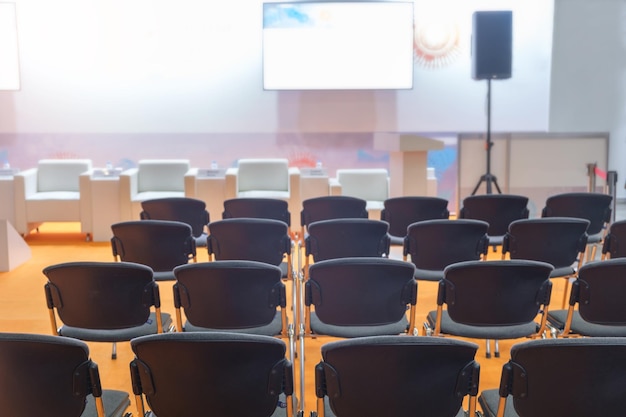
496	349
114	351
488	348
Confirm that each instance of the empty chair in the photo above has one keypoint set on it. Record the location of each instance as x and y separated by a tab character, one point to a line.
54	191
432	245
160	244
396	376
492	300
257	208
561	377
614	245
342	238
45	375
400	212
559	241
594	207
369	184
264	178
599	292
331	207
181	209
206	373
261	240
104	301
237	296
151	179
352	297
499	210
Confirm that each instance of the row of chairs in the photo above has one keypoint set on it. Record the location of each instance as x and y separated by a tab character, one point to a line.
228	374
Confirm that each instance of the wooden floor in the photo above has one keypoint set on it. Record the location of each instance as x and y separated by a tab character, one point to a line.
23	307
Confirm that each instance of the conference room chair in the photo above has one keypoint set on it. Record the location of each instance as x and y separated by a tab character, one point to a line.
211	373
560	377
151	179
369	184
104	301
264	178
494	300
181	209
396	376
432	245
401	212
257	208
330	207
44	375
614	245
342	238
596	304
559	241
56	190
595	207
245	238
499	210
237	296
160	244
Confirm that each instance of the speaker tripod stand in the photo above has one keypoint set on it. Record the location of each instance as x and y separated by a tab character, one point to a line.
488	178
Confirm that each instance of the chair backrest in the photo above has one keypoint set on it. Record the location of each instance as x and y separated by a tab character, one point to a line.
599	292
360	291
45	375
181	209
332	207
162	174
499	210
257	208
556	240
263	174
342	238
261	240
101	295
566	377
594	207
229	294
397	376
159	244
400	212
221	374
615	241
60	174
495	293
370	184
435	244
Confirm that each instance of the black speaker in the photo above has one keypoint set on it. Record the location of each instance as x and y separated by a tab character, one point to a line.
492	44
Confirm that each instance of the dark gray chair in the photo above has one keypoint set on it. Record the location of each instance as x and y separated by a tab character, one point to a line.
599	292
160	244
573	377
212	373
46	375
499	210
401	212
330	207
182	209
396	376
104	301
492	300
595	207
257	208
614	245
231	296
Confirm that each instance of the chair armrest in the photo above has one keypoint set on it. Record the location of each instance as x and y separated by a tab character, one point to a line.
231	185
25	184
334	186
128	190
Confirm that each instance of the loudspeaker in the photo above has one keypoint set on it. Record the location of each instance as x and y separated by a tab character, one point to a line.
492	44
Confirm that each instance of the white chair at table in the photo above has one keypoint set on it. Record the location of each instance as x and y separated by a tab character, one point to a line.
54	191
369	184
266	178
151	179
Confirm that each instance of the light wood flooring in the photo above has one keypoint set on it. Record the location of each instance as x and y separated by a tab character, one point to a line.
23	307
